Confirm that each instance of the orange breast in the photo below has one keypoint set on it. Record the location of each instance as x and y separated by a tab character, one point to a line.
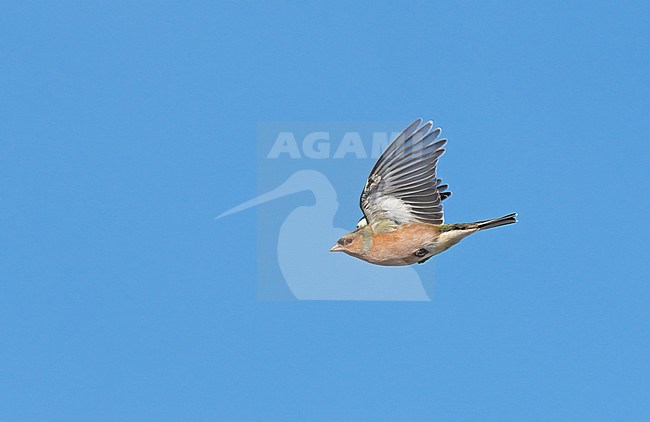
398	246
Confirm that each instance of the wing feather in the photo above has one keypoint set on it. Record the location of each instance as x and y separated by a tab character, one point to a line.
402	186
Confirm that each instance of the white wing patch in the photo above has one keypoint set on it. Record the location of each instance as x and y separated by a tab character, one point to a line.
394	206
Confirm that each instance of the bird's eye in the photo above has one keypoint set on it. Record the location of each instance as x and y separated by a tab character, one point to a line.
348	241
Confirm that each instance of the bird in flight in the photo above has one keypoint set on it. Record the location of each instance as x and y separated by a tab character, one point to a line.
402	204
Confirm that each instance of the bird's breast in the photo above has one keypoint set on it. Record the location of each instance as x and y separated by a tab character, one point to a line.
398	246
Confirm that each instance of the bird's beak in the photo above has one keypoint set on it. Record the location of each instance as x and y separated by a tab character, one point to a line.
336	248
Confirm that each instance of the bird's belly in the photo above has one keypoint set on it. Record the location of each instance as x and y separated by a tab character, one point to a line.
409	245
398	247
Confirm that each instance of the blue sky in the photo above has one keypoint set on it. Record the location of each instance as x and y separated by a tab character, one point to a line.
128	126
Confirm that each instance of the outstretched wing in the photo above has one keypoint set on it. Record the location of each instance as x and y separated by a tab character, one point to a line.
402	187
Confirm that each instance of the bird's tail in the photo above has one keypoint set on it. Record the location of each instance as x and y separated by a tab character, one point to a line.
496	222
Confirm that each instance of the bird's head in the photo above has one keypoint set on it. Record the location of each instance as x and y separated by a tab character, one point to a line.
351	243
